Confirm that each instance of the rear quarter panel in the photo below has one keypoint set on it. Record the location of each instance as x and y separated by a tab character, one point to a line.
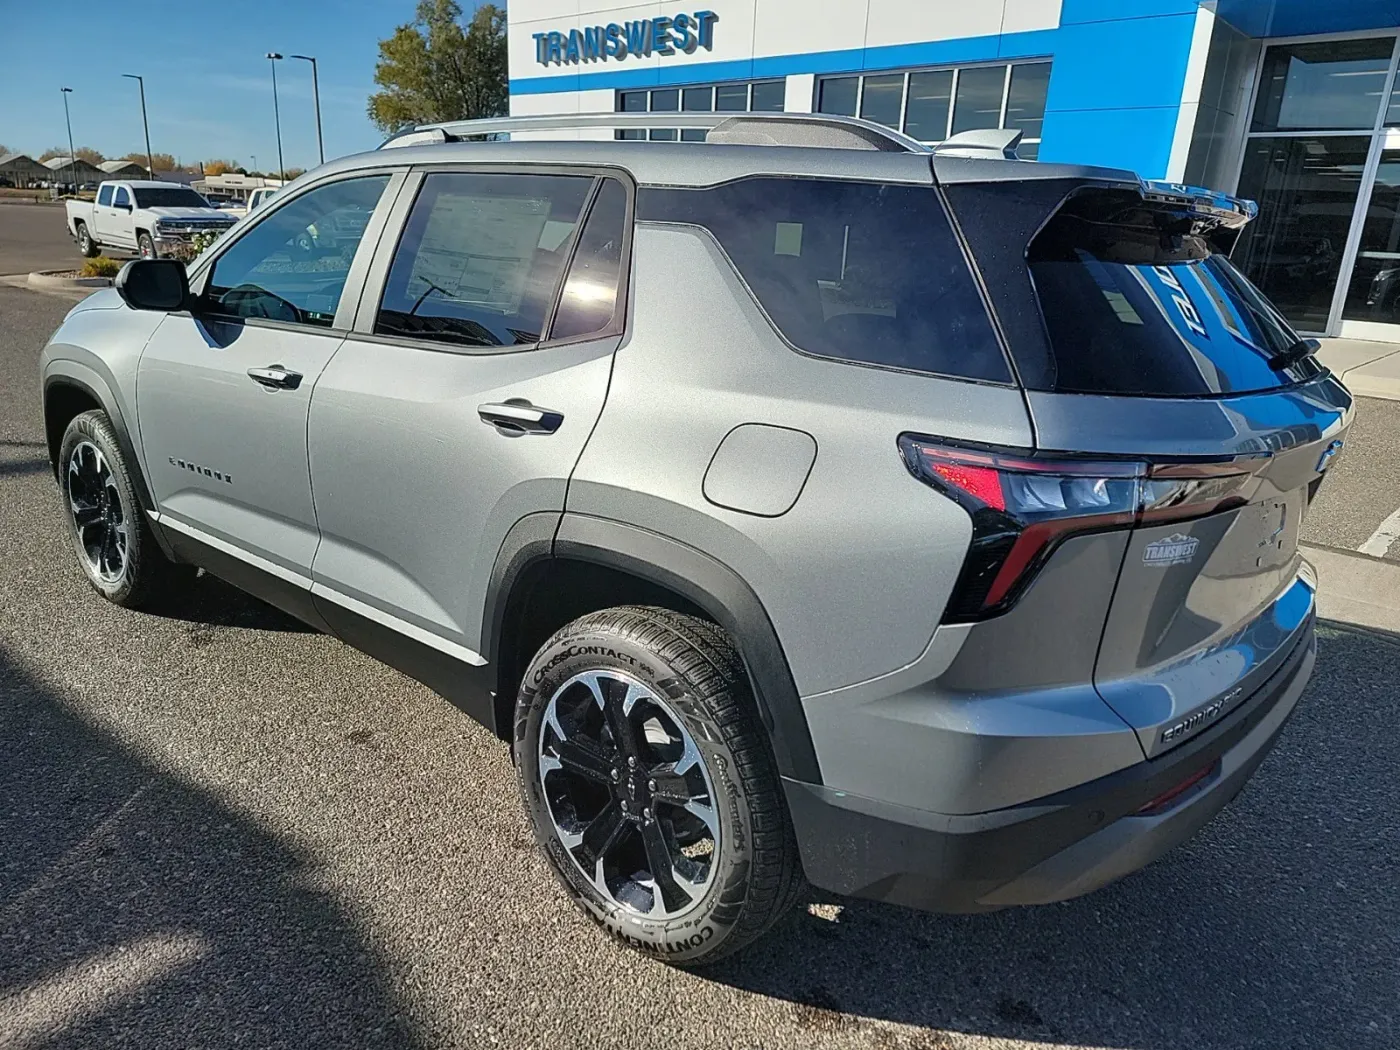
856	574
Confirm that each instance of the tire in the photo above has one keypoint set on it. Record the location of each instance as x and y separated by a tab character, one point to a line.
86	244
146	246
115	547
695	726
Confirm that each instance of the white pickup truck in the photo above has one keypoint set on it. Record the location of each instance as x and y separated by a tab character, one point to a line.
142	217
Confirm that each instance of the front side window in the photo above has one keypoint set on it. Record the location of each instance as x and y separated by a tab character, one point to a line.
292	265
481	257
859	272
122	198
104	196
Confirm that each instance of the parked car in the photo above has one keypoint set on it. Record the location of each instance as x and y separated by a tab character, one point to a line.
145	217
925	523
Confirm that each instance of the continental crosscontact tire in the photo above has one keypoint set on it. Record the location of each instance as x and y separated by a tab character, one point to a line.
109	531
650	784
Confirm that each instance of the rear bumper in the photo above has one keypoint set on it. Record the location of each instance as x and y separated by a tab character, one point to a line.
1054	848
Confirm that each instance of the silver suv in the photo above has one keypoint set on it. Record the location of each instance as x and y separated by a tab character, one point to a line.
803	502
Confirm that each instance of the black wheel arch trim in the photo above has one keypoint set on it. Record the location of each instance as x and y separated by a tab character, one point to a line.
696	576
97	390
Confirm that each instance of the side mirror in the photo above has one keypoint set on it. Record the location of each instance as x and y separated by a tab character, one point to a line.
154	284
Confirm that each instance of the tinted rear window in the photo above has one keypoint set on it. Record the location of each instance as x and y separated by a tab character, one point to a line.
1137	303
854	271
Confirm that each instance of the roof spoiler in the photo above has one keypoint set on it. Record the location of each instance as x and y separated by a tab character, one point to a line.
1230	212
982	143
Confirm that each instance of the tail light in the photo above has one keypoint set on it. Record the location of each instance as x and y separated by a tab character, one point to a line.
1022	506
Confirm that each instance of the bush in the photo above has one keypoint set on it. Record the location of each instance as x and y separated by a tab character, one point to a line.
189	251
100	267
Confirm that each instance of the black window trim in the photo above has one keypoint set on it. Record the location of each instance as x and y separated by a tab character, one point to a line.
377	274
1014	383
352	291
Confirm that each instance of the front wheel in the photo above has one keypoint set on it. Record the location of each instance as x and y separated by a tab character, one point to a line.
145	246
111	537
650	784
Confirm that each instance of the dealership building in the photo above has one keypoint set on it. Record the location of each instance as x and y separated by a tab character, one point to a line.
1293	103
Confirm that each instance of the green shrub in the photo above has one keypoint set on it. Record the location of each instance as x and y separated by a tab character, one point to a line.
101	267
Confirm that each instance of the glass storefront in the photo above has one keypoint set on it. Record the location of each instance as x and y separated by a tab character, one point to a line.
1322	158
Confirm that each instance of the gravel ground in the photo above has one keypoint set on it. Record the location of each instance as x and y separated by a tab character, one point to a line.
220	830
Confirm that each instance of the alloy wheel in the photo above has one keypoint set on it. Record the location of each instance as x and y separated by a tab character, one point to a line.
629	794
99	519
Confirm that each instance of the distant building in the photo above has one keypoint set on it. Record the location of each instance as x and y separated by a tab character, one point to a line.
19	170
232	184
66	171
123	169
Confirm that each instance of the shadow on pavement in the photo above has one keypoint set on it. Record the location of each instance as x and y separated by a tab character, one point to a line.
138	910
1278	926
210	601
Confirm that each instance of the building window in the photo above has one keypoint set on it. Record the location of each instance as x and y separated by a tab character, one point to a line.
753	96
932	104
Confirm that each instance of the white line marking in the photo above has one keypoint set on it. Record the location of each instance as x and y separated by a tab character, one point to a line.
1379	543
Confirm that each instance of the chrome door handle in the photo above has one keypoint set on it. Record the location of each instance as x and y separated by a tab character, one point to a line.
275	377
520	417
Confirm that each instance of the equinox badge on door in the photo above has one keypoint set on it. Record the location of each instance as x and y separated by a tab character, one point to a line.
1177	549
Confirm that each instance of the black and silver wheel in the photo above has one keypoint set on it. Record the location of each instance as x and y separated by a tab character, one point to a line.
111	537
650	784
145	246
86	244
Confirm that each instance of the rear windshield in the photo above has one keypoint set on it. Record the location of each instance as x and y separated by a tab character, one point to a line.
1137	302
853	271
174	197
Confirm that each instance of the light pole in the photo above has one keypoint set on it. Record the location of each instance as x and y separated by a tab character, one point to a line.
273	58
72	161
150	161
316	93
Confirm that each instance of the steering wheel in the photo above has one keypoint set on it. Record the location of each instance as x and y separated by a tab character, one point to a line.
249	300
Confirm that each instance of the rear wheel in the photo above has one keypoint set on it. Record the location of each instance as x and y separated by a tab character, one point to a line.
111	537
145	245
86	244
650	784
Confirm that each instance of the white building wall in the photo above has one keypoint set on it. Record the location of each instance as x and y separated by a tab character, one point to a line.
749	29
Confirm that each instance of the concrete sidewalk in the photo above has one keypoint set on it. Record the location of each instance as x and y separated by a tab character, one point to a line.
1369	369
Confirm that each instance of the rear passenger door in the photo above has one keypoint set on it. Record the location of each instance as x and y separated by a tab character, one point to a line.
463	398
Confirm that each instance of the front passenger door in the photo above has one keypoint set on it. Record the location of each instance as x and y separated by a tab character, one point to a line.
223	392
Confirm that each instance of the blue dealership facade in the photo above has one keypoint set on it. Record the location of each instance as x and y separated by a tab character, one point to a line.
1290	102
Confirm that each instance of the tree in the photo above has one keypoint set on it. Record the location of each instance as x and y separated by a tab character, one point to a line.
433	70
294	173
162	161
86	153
219	167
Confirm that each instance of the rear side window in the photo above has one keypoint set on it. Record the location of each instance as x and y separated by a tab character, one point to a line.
588	304
104	196
1136	303
481	258
862	272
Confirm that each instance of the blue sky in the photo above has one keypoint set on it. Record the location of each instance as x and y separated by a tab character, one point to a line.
208	84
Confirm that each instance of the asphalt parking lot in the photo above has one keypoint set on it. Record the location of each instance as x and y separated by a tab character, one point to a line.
220	829
35	237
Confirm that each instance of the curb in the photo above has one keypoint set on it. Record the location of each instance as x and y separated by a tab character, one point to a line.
41	279
1356	588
